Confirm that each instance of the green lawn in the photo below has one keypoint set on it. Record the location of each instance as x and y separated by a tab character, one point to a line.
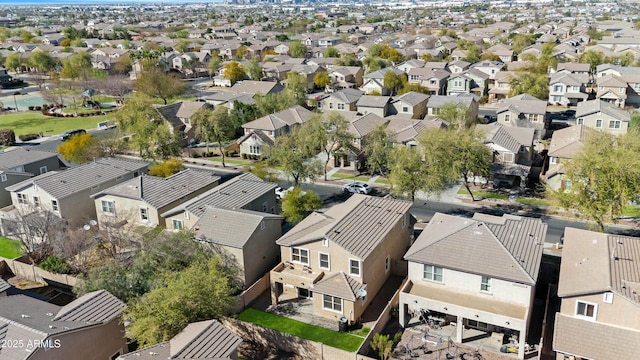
332	338
382	181
530	201
484	194
630	210
35	122
170	101
9	248
350	177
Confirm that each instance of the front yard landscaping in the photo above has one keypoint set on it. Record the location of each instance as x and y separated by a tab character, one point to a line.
328	337
36	122
9	248
350	177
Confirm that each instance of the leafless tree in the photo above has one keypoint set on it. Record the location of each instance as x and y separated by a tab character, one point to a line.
114	85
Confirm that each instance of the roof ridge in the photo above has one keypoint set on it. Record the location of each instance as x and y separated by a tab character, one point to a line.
92	296
518	261
193	339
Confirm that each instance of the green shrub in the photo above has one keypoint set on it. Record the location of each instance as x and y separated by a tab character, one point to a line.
7	137
55	265
244	156
28	137
195	155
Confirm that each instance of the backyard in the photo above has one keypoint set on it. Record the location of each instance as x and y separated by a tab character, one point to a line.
35	123
344	341
9	248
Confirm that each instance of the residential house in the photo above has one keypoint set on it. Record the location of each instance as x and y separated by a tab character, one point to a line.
525	111
501	85
67	193
405	131
374	82
178	116
263	88
341	258
413	104
602	115
378	105
246	237
458	67
245	191
613	89
478	273
342	100
272	126
89	327
346	77
599	314
459	84
565	145
466	102
512	150
329	41
567	89
274	71
200	340
141	200
504	52
361	125
410	64
434	80
573	68
490	68
22	163
309	72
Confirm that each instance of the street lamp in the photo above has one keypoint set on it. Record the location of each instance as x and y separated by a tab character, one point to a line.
14	99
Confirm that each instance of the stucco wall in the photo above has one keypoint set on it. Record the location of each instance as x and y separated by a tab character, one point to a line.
621	312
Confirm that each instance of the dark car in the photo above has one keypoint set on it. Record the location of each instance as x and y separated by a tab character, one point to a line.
66	136
569	113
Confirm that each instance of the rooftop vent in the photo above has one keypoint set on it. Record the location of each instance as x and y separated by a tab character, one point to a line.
25	316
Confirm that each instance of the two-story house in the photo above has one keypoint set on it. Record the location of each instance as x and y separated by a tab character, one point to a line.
525	111
466	102
620	84
499	85
612	89
346	77
22	163
599	283
478	273
433	79
567	89
601	115
565	145
343	100
67	193
406	131
459	84
178	117
370	104
412	104
141	200
341	258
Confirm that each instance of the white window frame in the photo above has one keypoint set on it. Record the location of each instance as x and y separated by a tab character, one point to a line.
108	207
22	198
332	299
299	255
507	117
179	223
553	160
387	264
607	297
485	284
359	273
405	109
55	206
262	225
433	272
598	123
508	157
43	169
328	267
614	124
340	106
3	177
580	121
586	304
144	214
325	241
36	202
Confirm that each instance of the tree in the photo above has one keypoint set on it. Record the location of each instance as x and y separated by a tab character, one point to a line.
296	205
473	54
241	52
182	46
214	126
321	79
378	150
329	132
411	172
603	178
391	54
254	69
79	149
593	58
234	71
35	228
261	169
331	52
460	153
297	49
634	123
214	64
296	87
42	61
374	63
77	66
202	291
536	85
166	168
394	81
13	62
155	83
383	345
456	115
295	155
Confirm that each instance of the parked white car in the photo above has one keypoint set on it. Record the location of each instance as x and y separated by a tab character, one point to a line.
282	192
357	188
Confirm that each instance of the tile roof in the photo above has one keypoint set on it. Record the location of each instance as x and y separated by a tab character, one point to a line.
256	87
4	286
586	108
412	98
437	101
594	340
348	95
287	117
508	137
67	182
523	104
340	285
363	125
159	192
259	133
344	224
21	156
229	227
94	307
566	143
413	128
508	247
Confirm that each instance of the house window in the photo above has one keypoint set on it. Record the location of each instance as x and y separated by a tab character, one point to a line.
178	224
300	255
599	123
457	83
331	303
507	117
330	105
436	111
387	263
553	160
533	117
43	169
340	106
3	177
319	104
36	201
354	267
355	141
523	148
432	82
621	90
580	121
135	174
54	206
507	157
587	310
265	206
144	214
186	215
608	298
557	88
22	199
323	261
254	149
405	109
485	284
325	241
433	273
614	124
108	207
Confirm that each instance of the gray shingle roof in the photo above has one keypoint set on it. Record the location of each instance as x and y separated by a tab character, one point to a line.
22	156
345	224
506	137
4	286
340	285
159	192
287	117
438	101
567	143
524	104
412	98
508	247
94	307
229	227
79	178
365	124
595	106
373	101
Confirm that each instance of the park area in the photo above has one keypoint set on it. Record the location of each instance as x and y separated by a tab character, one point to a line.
36	122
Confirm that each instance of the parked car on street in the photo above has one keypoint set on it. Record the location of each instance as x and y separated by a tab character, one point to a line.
357	188
282	192
66	136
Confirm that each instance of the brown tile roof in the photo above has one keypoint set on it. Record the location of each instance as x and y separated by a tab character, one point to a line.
230	227
593	340
293	115
96	306
567	143
365	124
508	247
340	285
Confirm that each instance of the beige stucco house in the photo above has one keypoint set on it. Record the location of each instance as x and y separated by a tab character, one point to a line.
599	281
525	111
87	328
341	258
565	145
478	273
413	104
141	200
601	115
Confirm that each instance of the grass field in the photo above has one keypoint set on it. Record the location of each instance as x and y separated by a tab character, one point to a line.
35	122
336	339
350	177
9	248
530	201
630	210
382	181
